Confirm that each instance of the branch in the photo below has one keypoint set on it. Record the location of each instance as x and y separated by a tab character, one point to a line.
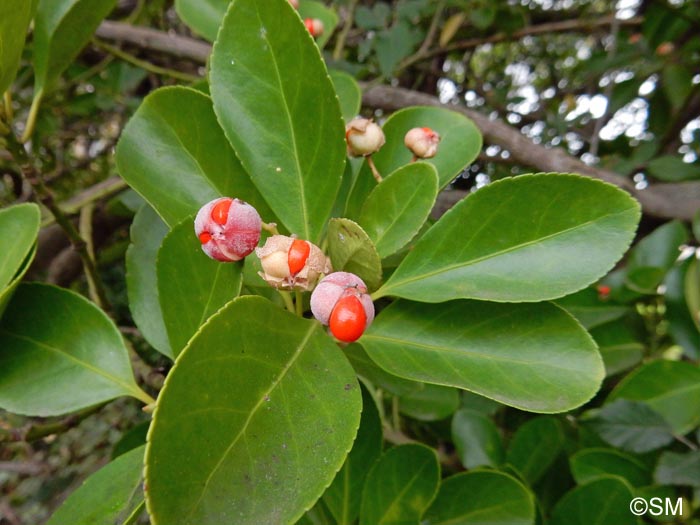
562	26
671	200
34	431
155	40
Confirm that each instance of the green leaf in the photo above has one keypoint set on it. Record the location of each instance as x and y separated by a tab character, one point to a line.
692	290
61	30
191	286
680	322
6	293
278	108
314	9
349	93
174	141
678	469
604	501
535	446
109	496
429	402
60	353
528	238
203	16
654	255
397	208
671	388
590	310
480	497
671	168
394	44
351	250
254	420
631	426
147	233
15	16
460	144
476	439
400	486
618	346
344	495
483	16
593	463
544	362
19	227
677	84
379	377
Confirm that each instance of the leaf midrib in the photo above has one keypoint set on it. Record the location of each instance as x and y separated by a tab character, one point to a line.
130	388
449	268
288	115
254	410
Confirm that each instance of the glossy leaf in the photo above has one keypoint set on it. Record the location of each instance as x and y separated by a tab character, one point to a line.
680	322
61	30
109	496
6	293
671	388
203	16
476	439
544	362
528	238
459	146
174	141
379	377
19	227
60	353
191	286
678	469
604	501
315	9
592	463
631	426
535	447
349	93
278	108
480	497
260	411
397	208
15	16
400	486
344	495
618	347
147	233
351	250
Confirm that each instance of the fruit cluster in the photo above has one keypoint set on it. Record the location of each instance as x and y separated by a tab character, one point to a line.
229	230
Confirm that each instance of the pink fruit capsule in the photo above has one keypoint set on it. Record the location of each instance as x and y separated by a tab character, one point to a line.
228	229
341	301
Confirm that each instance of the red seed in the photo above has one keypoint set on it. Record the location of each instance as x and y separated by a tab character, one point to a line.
348	319
204	237
297	255
219	213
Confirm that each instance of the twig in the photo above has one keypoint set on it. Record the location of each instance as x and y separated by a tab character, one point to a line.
35	431
85	226
45	196
144	64
342	37
31	118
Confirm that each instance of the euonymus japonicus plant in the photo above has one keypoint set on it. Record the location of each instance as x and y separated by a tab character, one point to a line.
283	258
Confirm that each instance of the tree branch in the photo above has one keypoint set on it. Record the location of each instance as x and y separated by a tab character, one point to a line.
672	200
